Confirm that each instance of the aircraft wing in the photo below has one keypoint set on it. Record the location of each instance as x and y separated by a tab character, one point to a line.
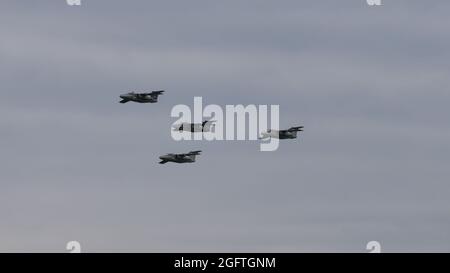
190	153
124	101
298	128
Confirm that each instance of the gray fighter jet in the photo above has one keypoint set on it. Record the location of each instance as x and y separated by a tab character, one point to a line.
179	158
141	97
290	133
205	126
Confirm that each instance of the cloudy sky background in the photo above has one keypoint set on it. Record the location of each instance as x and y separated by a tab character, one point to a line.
370	85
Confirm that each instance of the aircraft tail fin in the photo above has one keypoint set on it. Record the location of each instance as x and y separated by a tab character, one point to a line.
207	125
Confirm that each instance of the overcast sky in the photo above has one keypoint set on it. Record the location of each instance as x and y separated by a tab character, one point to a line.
370	84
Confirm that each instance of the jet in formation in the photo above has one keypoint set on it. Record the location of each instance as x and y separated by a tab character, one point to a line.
290	133
205	126
179	158
141	97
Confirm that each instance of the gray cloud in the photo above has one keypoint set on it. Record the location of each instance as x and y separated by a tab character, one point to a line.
369	84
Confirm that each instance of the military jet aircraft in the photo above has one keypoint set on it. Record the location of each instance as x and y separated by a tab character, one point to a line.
205	126
141	97
282	134
179	158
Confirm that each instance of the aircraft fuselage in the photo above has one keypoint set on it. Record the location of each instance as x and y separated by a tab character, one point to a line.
177	158
139	98
282	134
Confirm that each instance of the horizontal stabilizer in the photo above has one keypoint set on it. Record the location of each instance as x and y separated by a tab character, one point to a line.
156	93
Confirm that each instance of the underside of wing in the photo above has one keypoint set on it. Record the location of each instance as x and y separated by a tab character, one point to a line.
124	101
